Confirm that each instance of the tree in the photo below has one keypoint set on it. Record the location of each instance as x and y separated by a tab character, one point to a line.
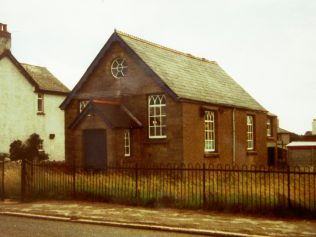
28	150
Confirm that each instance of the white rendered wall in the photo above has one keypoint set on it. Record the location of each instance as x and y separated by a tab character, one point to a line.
18	113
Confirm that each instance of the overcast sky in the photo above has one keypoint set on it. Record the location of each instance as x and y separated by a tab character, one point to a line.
267	46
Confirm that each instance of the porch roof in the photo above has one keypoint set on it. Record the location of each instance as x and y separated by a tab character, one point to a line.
113	113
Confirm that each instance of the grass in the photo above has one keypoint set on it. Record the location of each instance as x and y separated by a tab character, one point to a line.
12	180
235	191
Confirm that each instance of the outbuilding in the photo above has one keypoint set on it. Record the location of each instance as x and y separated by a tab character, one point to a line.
302	153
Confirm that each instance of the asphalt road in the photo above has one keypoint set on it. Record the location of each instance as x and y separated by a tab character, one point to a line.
11	226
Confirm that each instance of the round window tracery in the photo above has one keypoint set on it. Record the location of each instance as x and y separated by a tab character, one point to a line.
119	68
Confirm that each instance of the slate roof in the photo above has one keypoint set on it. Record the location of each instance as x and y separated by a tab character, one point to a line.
182	75
191	77
45	80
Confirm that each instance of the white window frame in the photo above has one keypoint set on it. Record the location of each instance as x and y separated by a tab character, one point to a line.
127	143
209	132
250	132
82	105
269	127
40	103
157	116
119	68
41	146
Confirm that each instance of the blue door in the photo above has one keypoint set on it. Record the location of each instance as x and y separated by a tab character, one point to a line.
94	143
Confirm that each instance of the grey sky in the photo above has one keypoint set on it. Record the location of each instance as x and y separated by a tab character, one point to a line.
267	46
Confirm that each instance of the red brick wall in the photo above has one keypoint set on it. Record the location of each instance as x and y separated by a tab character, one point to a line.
193	133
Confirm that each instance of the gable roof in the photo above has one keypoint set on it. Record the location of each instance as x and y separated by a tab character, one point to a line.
109	111
182	75
43	80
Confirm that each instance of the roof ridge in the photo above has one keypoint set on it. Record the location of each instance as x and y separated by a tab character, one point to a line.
163	47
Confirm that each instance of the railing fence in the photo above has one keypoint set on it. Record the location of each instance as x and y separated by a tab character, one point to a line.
186	186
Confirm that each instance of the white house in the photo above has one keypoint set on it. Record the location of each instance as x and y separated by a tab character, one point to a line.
29	102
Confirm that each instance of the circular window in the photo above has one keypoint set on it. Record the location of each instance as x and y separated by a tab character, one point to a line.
119	68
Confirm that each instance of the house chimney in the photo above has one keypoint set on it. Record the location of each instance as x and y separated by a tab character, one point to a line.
314	127
5	38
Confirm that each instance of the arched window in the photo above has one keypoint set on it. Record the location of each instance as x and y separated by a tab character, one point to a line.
157	116
209	140
250	133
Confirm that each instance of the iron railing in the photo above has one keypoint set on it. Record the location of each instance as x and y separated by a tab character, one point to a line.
189	186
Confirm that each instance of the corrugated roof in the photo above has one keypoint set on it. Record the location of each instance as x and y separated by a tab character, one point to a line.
191	77
45	79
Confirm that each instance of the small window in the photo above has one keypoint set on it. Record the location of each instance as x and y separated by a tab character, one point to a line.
250	133
157	116
209	131
40	103
83	104
127	143
119	68
269	127
41	146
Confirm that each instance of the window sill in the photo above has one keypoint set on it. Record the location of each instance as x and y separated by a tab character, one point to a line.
252	153
40	113
211	155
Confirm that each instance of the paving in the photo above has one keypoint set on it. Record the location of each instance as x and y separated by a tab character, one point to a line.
196	222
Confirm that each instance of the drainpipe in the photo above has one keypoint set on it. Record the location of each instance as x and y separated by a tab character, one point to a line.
234	137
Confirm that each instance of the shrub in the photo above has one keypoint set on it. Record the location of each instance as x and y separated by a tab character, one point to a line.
28	150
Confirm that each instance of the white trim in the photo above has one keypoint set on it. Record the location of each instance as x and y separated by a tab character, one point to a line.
40	102
250	132
127	143
119	68
209	131
269	127
83	104
157	116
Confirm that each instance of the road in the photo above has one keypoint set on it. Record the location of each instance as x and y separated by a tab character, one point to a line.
12	226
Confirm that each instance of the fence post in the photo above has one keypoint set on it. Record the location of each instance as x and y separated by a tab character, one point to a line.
289	187
23	179
74	180
136	183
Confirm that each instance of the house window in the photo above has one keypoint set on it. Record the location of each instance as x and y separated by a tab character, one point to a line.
40	146
157	116
269	127
250	132
209	130
127	143
83	104
40	103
